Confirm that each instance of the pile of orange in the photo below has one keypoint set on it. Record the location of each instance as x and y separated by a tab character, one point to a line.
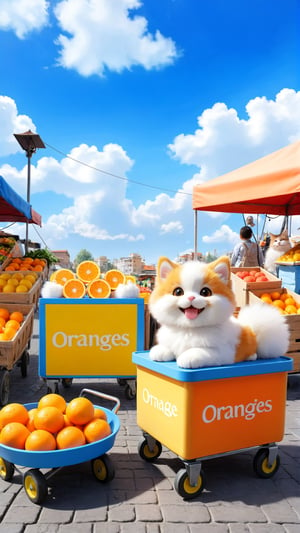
10	323
284	301
18	282
26	263
53	424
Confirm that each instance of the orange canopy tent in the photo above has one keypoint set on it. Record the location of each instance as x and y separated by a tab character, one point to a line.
270	185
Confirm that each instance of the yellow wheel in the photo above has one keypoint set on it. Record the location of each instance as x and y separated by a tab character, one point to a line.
35	486
103	468
146	453
261	464
6	469
183	486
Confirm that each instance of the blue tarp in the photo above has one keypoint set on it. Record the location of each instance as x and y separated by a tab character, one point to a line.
13	208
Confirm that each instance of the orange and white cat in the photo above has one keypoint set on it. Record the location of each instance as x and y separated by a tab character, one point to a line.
194	304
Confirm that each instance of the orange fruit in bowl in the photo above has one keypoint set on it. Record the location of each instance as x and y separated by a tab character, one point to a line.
40	440
30	424
97	429
88	271
70	437
80	411
49	418
99	413
13	412
14	434
53	399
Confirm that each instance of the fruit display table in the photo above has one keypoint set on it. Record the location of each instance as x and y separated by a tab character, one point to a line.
85	337
290	276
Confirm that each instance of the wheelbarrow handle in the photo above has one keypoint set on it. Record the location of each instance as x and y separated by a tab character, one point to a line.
103	395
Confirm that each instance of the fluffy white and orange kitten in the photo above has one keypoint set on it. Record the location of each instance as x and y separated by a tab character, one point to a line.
194	304
279	245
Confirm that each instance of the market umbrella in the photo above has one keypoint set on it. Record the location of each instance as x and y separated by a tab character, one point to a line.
13	208
269	185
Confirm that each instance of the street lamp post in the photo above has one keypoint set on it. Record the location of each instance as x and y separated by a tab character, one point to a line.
29	141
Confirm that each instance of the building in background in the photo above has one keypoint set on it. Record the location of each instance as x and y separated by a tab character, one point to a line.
133	264
63	256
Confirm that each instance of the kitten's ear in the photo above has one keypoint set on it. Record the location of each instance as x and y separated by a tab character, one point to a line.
164	267
222	267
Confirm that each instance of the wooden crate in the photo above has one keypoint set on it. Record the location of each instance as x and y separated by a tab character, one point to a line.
11	351
30	297
242	288
293	322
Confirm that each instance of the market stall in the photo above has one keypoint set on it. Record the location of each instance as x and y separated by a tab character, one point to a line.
14	346
270	185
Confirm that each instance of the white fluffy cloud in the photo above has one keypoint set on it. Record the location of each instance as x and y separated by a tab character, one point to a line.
11	122
105	35
23	16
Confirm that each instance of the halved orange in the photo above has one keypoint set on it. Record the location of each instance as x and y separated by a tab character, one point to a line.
114	278
130	278
63	275
74	288
99	288
88	271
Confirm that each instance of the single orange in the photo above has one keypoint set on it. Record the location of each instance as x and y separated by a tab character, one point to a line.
266	299
99	413
70	437
88	271
279	303
49	418
14	434
284	296
291	309
63	275
99	288
16	315
290	301
40	440
13	412
2	322
96	429
74	288
13	324
53	399
21	288
275	295
80	410
9	334
30	424
114	278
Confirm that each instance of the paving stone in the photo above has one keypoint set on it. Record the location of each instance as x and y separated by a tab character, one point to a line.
237	513
148	513
122	513
11	528
23	515
266	528
185	513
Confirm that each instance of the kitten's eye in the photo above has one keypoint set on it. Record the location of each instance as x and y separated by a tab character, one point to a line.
205	292
178	291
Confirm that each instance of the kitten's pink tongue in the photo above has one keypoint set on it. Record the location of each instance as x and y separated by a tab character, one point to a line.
191	313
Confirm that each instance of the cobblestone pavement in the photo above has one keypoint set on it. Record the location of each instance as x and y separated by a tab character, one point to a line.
141	498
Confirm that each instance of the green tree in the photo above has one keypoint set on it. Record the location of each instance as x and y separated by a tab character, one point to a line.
83	255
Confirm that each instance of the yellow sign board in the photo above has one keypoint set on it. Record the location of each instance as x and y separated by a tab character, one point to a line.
84	338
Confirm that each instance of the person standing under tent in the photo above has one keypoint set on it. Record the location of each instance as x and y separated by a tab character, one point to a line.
247	253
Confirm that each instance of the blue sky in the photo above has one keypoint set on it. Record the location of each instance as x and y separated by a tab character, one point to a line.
136	102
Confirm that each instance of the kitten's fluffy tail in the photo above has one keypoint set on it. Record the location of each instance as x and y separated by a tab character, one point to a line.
270	328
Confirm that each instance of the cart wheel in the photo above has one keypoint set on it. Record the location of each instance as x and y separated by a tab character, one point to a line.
103	468
184	488
4	387
67	382
129	393
24	363
35	485
6	469
261	466
146	453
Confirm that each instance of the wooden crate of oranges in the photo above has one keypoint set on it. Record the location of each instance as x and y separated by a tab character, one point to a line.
21	287
15	341
288	303
27	264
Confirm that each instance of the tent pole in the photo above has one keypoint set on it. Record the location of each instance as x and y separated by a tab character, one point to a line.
195	233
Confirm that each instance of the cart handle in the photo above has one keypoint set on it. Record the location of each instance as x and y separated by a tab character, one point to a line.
102	395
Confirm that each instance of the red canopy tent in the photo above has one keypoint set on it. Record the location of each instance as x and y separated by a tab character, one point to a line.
270	185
